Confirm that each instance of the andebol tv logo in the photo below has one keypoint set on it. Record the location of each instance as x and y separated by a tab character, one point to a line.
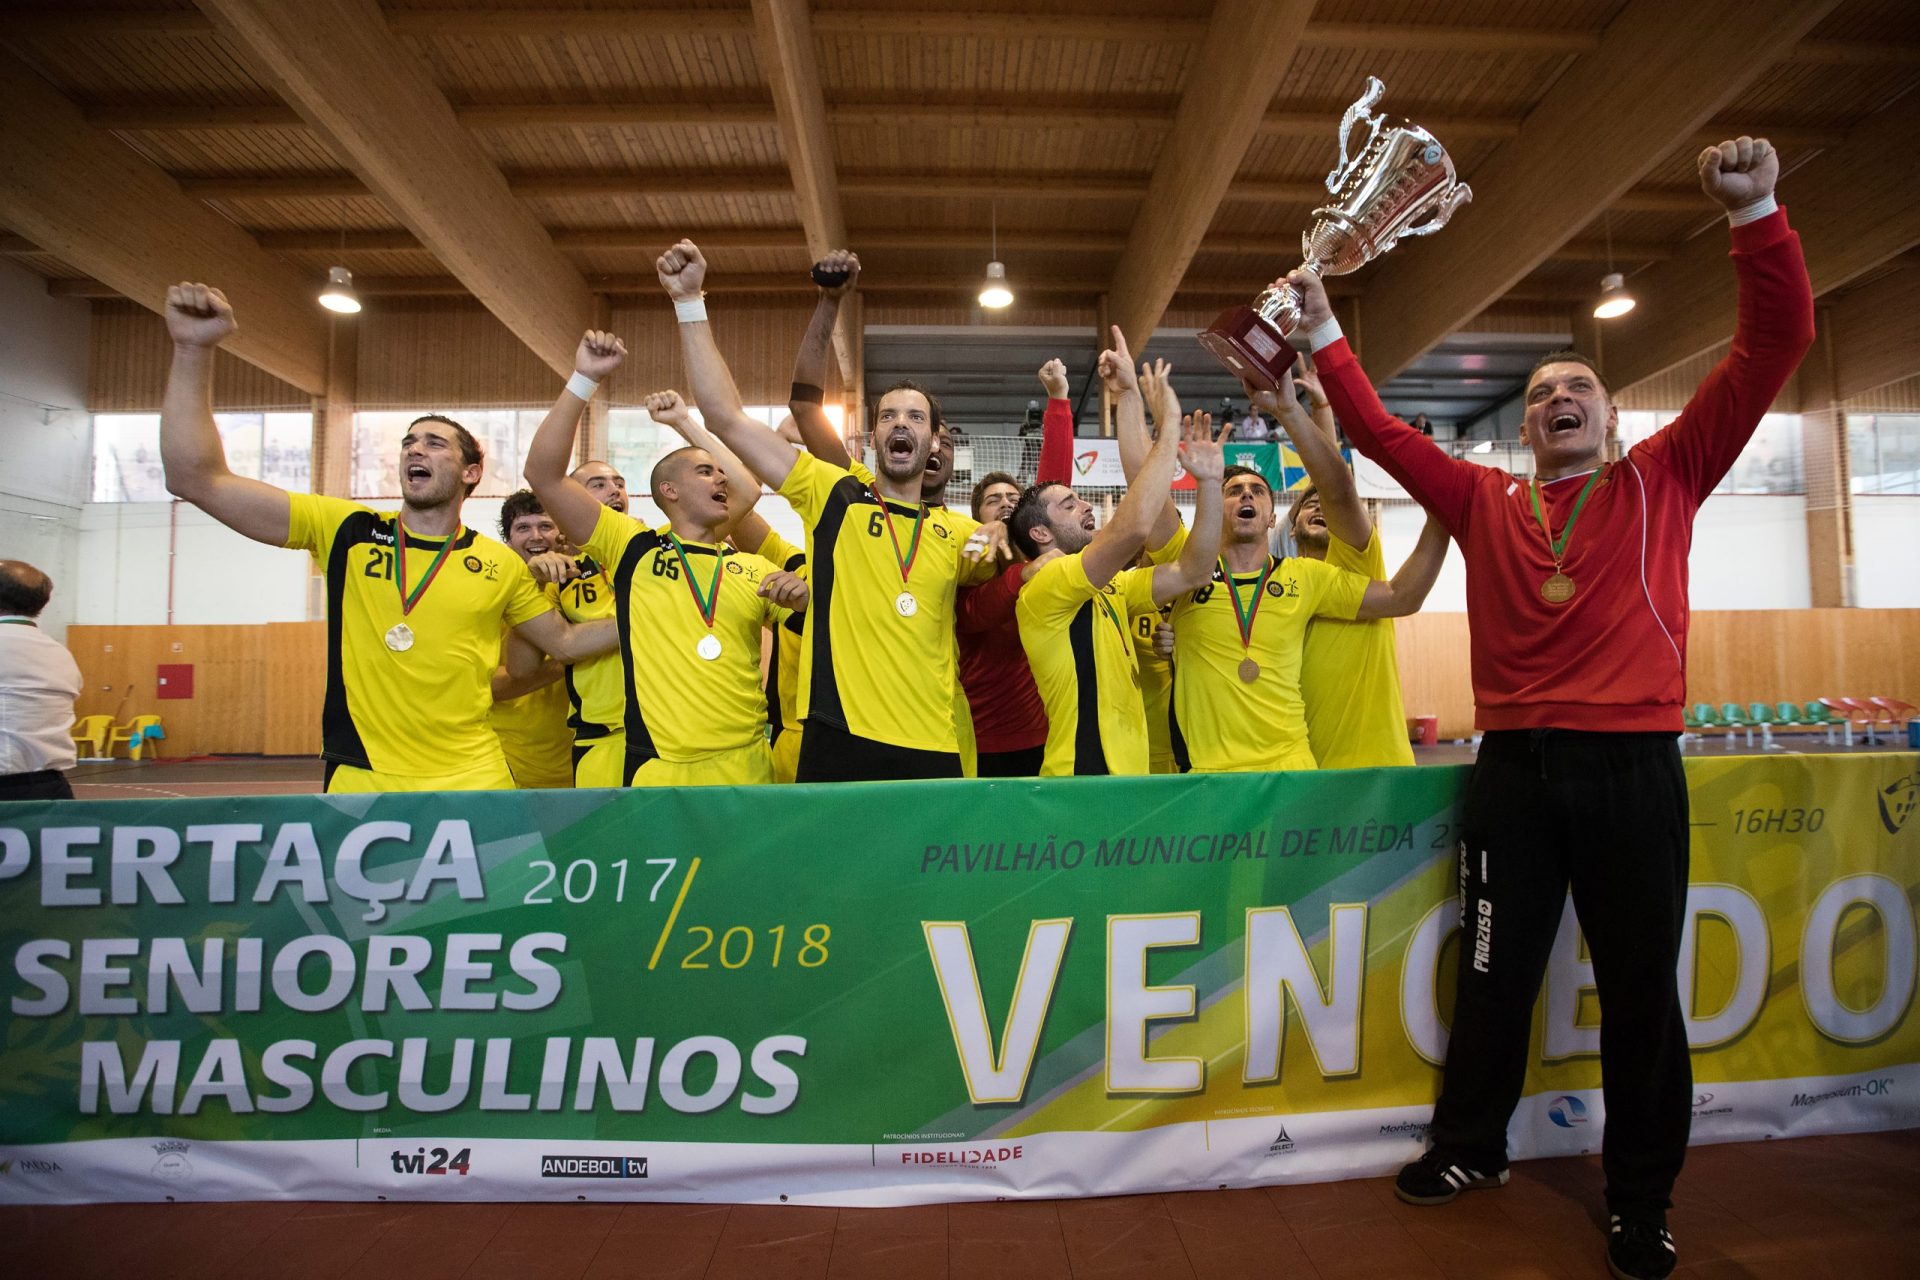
1567	1111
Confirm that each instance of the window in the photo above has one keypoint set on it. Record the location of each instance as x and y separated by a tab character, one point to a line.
274	447
1771	463
1885	451
503	435
635	442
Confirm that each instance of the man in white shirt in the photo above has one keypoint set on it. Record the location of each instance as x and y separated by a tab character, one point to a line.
38	682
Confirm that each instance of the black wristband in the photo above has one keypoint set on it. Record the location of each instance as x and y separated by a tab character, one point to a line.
806	393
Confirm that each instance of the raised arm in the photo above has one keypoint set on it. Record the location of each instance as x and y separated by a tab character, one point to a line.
573	508
682	271
199	319
1130	427
1408	589
810	362
1443	485
1339	496
1056	427
1120	540
743	487
1206	462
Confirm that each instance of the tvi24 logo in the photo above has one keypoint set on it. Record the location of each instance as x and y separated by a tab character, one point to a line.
436	1161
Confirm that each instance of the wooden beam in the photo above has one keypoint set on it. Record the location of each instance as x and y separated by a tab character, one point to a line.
1660	73
1217	120
378	108
690	115
1857	53
1853	207
783	38
81	196
1625	252
571	20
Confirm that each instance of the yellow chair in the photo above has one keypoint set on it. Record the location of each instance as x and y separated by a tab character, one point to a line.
136	734
91	732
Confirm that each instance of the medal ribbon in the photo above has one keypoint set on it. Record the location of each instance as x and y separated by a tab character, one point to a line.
1558	546
1112	617
712	601
913	547
1244	615
408	599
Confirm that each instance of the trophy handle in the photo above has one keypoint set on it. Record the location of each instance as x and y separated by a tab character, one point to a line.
1459	194
1361	112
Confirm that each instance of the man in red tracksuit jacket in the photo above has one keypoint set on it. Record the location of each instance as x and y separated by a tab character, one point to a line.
1577	601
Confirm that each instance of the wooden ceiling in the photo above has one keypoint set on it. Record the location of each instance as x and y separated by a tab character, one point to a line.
535	153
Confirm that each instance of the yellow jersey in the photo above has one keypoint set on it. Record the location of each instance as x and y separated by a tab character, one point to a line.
409	693
1156	690
1350	678
1230	724
596	688
879	658
533	729
783	672
1079	642
689	689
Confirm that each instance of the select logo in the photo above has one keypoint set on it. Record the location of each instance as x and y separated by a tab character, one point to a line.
593	1166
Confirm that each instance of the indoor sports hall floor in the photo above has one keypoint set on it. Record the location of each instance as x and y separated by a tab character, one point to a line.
1842	1208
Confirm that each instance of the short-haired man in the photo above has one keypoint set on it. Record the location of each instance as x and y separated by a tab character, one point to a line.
530	717
877	684
1577	599
690	608
415	600
1076	613
1349	671
38	682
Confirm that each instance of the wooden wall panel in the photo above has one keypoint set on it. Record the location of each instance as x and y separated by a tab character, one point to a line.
419	353
757	334
1897	397
127	368
257	690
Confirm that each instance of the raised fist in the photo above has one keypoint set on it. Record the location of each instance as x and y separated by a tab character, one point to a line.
1116	366
1163	639
668	407
839	260
199	315
599	354
1739	172
682	271
1053	376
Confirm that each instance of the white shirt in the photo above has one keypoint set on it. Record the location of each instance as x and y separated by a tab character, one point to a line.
38	682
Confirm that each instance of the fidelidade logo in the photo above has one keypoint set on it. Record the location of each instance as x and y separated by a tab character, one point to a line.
1567	1111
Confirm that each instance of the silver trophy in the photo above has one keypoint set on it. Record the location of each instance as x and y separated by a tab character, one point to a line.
1399	174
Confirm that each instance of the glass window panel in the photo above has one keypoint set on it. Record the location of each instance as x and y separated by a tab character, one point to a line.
499	432
286	454
126	458
275	447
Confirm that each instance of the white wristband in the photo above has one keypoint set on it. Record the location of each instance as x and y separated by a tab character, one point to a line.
1759	209
1324	335
691	310
581	385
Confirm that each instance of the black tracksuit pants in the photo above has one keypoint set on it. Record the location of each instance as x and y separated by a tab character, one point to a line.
1607	814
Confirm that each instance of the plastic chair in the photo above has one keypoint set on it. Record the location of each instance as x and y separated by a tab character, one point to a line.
1735	719
91	732
1758	713
1790	714
1851	714
136	733
1897	711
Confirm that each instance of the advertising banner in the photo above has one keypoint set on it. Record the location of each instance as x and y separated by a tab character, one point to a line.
878	993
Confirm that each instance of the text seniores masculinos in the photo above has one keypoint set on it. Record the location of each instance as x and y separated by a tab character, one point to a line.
228	977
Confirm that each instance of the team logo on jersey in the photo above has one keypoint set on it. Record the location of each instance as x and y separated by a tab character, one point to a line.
733	566
940	531
472	563
1273	588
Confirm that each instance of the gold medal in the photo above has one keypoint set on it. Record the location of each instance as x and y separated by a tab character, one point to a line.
1249	670
708	648
1557	590
399	637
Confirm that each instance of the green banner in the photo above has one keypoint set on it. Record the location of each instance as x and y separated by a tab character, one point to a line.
829	983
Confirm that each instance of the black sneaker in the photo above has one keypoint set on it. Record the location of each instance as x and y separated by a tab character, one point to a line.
1640	1248
1435	1179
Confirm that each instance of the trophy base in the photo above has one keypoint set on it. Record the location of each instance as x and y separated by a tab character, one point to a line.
1249	346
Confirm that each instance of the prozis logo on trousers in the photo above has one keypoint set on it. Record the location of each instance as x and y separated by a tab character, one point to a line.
593	1166
438	1160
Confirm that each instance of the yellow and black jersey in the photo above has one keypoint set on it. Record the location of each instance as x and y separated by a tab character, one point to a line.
1156	689
879	657
408	693
1350	678
1079	642
1227	723
783	671
680	702
533	729
596	688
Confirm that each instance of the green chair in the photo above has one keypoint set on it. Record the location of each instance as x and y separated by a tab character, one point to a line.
1821	712
1735	719
1761	714
1791	714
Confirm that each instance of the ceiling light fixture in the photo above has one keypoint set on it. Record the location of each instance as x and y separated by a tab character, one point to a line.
1614	298
339	295
995	293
